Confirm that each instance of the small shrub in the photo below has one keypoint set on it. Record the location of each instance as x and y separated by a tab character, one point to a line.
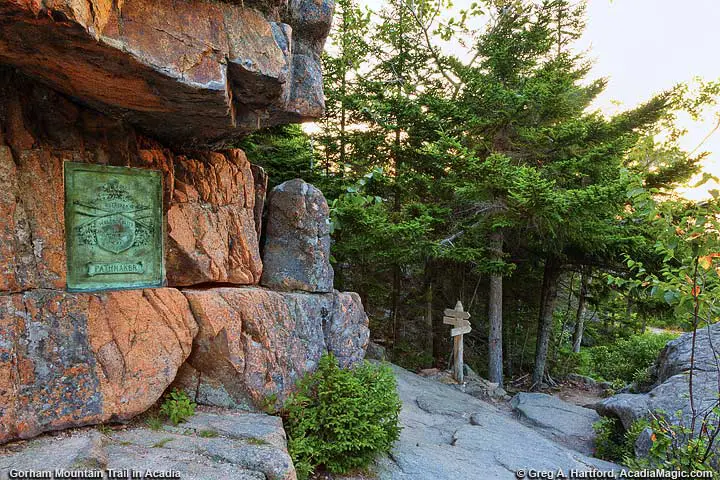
162	443
208	434
104	429
566	362
613	442
642	380
339	419
255	441
610	439
617	384
631	436
411	358
269	404
177	407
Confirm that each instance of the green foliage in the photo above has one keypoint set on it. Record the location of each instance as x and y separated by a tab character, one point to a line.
154	423
613	442
566	362
340	419
676	447
411	358
177	407
425	155
104	429
285	152
269	404
610	439
622	359
161	443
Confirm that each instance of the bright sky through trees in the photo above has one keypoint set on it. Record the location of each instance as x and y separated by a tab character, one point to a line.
646	46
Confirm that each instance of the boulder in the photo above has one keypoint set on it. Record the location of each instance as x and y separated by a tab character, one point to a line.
671	396
568	424
254	344
482	388
78	359
675	357
376	351
296	253
671	392
188	72
209	202
210	446
346	329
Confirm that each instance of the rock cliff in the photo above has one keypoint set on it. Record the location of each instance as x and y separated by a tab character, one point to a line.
162	85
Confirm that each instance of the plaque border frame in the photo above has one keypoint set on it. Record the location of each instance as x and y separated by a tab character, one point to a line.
70	166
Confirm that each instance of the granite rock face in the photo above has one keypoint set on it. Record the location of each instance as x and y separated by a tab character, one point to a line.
296	253
212	233
164	85
78	359
254	343
188	72
209	202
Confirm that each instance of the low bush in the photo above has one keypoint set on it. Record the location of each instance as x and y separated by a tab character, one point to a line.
340	419
610	439
177	407
624	358
613	442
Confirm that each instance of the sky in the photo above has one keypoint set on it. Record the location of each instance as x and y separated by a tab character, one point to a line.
644	47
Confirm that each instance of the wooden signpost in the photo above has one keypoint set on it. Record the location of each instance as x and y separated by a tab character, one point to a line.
458	318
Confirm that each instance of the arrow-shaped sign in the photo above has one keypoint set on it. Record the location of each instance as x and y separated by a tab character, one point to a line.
454	332
456	313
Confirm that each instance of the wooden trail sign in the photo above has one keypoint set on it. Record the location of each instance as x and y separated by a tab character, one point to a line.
458	318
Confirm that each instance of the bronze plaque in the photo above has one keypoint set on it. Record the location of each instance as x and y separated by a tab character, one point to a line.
113	227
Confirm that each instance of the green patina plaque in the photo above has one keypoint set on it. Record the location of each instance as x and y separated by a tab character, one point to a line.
113	227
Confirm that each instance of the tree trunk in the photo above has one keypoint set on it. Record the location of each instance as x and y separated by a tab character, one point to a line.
428	309
495	315
580	315
395	303
545	320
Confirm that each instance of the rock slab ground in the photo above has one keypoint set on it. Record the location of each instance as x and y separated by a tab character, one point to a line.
211	446
567	424
449	435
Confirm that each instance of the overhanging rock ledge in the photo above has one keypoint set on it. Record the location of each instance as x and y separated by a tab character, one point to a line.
188	72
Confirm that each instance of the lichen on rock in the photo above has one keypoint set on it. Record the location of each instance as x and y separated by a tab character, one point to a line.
76	359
